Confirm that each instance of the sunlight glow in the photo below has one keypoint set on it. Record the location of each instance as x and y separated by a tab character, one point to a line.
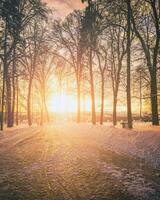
64	103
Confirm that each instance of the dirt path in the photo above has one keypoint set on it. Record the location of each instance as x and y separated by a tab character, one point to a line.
61	162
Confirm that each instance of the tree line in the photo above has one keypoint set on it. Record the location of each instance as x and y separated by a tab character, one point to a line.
114	42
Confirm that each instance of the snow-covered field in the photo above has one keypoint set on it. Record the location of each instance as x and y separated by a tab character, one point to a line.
80	161
142	142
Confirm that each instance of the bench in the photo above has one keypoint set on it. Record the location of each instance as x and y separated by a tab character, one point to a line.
124	124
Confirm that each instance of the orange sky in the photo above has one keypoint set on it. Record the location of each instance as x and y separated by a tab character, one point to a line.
63	7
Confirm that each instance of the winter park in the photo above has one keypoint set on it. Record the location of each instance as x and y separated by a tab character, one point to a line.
79	100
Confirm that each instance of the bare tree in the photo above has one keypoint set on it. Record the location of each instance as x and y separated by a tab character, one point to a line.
43	74
117	38
67	35
147	29
129	112
15	16
92	28
31	57
102	56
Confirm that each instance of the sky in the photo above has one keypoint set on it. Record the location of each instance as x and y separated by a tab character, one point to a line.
64	7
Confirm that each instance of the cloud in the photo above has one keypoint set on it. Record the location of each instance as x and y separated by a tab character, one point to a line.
63	7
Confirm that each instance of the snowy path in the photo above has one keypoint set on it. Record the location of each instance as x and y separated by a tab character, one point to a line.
71	162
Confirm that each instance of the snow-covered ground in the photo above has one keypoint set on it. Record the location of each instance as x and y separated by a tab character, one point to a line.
80	161
141	142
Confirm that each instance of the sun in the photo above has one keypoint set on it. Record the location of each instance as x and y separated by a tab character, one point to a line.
62	103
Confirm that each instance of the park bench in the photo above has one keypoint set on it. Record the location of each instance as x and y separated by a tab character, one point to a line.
124	124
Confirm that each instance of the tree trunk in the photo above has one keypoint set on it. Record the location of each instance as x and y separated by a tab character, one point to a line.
45	105
129	113
5	113
114	109
3	95
13	87
92	88
102	102
140	96
13	102
78	102
4	76
42	117
17	100
154	100
46	112
9	100
29	116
